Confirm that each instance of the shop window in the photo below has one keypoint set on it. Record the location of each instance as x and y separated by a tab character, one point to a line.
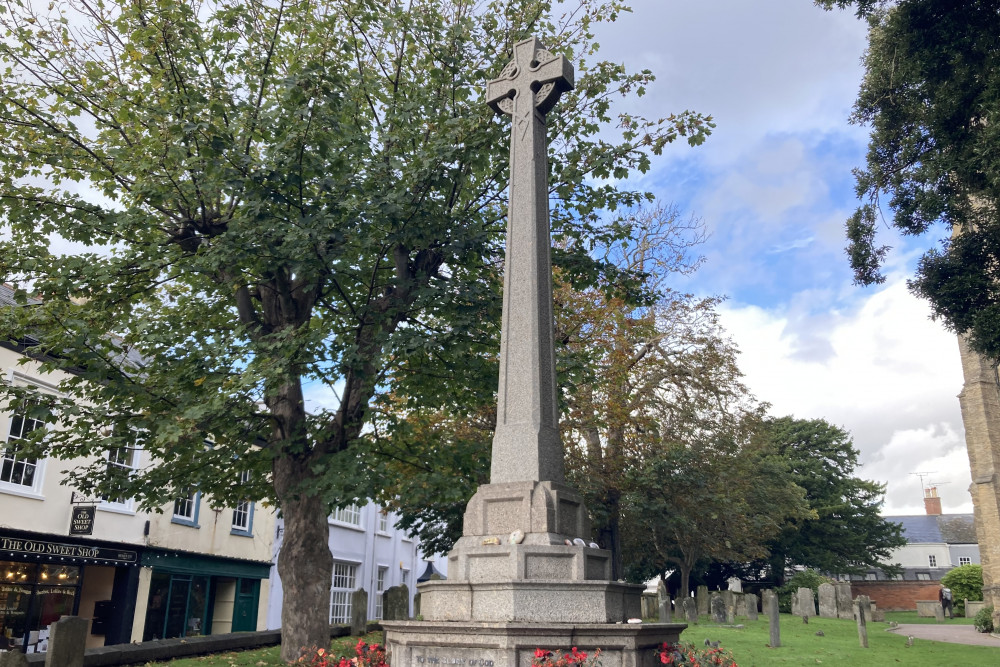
349	515
178	606
243	512
32	598
344	576
18	471
379	589
186	509
122	462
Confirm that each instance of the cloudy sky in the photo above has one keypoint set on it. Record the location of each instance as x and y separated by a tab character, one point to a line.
774	186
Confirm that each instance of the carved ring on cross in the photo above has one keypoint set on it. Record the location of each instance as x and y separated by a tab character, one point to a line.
544	74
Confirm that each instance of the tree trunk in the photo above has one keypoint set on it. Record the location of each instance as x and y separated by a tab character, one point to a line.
305	563
776	563
685	590
609	535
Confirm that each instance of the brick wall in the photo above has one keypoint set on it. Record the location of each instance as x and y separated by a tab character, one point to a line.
896	595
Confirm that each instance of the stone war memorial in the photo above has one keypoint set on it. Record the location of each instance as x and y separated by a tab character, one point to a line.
524	574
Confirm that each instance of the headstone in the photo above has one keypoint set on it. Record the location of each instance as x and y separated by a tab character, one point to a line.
67	642
396	603
735	584
864	610
741	604
13	659
751	606
807	602
730	599
845	609
691	610
416	604
359	612
938	613
773	620
663	598
702	597
718	606
648	608
827	601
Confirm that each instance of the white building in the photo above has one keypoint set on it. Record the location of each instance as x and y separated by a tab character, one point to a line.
369	552
190	570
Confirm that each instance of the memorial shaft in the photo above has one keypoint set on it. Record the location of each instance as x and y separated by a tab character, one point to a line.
526	446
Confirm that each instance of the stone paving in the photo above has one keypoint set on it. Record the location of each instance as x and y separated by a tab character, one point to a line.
955	634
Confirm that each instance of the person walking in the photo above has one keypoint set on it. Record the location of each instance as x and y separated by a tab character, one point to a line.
944	597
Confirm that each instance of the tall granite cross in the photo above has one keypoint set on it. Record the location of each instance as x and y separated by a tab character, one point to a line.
526	446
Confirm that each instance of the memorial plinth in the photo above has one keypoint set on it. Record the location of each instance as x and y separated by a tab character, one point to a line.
524	574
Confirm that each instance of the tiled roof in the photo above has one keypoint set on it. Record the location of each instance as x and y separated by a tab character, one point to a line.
937	529
7	296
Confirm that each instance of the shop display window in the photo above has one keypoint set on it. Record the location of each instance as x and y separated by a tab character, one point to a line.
178	606
32	597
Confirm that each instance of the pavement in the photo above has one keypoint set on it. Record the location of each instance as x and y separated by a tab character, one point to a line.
955	634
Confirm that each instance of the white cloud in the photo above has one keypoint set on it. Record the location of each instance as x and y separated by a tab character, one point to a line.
882	370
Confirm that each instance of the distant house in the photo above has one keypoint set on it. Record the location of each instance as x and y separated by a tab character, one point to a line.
935	542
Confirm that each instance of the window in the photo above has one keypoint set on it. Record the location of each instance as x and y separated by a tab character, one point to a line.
383	521
870	576
350	514
186	509
923	576
965	560
405	578
122	461
932	561
243	512
897	577
341	591
379	588
16	469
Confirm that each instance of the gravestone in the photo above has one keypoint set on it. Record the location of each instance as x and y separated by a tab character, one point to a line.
863	607
741	604
729	598
396	603
522	567
416	604
67	642
938	613
770	600
718	607
359	612
827	601
648	606
691	610
845	609
663	598
702	597
807	603
751	606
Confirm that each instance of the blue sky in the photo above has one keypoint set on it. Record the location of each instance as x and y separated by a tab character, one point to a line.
773	186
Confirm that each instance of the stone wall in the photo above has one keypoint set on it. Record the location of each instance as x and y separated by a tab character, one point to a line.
896	595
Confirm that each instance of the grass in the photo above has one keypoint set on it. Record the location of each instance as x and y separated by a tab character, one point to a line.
838	646
911	617
799	646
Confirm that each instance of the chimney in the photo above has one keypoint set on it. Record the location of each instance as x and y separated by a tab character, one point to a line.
932	504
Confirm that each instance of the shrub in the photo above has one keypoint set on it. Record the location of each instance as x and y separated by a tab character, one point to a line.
804	579
984	619
966	583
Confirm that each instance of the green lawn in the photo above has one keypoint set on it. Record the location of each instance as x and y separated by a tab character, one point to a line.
911	617
838	646
799	646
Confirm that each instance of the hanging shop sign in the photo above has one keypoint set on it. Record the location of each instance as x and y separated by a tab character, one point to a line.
86	552
82	521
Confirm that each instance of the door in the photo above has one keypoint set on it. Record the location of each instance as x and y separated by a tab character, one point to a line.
245	608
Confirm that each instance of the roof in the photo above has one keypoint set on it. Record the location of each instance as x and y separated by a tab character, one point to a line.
937	529
7	296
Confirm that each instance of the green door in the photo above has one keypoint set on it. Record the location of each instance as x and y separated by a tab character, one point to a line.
245	609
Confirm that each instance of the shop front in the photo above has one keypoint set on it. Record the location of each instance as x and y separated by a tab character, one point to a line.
193	595
43	578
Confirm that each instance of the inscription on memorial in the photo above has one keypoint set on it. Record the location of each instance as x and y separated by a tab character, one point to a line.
445	660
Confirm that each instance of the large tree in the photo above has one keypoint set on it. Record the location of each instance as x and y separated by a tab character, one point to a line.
260	198
931	95
845	533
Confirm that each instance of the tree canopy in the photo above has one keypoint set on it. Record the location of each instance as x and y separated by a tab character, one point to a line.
930	96
254	202
845	534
